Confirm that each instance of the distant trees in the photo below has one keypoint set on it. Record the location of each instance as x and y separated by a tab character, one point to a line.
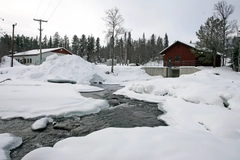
75	45
166	42
91	49
56	40
136	51
66	43
236	53
5	45
50	43
126	48
83	46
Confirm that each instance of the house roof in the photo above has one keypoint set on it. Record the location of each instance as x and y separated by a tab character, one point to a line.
37	51
192	45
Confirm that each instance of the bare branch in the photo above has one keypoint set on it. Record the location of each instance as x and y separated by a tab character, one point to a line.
223	10
114	22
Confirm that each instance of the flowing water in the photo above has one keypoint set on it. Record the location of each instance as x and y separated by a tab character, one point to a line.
123	113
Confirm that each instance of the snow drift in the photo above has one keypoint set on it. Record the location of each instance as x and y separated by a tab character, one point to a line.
70	67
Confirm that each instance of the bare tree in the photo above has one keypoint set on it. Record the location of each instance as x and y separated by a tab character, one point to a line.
223	12
114	23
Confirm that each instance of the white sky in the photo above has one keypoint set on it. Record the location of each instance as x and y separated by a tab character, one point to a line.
179	19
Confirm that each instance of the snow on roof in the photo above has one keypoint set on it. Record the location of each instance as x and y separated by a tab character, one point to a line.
192	45
36	51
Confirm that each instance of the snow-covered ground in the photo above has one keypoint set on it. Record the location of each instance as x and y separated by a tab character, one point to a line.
200	126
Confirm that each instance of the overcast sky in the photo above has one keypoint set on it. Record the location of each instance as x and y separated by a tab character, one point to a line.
180	19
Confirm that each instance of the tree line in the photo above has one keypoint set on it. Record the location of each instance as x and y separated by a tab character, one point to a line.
88	47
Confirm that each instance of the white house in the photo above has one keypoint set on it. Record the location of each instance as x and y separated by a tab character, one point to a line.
33	56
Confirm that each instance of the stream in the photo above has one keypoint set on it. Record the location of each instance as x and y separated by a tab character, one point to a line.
122	113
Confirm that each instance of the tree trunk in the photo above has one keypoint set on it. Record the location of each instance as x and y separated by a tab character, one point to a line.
112	52
214	60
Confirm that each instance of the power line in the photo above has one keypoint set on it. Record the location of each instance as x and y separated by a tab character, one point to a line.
38	8
47	8
55	9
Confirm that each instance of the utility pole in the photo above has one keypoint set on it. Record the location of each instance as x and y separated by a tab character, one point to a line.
13	43
40	37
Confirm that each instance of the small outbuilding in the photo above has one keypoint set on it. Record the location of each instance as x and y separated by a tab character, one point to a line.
32	57
182	54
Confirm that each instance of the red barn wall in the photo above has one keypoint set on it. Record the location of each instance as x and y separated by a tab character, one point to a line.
186	57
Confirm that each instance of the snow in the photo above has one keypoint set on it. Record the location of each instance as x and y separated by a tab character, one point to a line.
35	51
165	143
7	143
41	123
6	62
201	109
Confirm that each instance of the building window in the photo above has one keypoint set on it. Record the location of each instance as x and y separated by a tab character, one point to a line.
177	58
30	60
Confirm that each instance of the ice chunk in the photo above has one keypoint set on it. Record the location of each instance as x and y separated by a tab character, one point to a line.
41	123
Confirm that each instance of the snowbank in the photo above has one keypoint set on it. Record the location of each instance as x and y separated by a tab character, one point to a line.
209	99
62	67
29	99
7	143
165	143
72	67
6	62
125	74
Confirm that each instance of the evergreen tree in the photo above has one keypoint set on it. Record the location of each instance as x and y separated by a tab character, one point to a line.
5	45
61	43
26	43
236	54
56	40
143	49
121	51
166	43
153	46
35	44
83	46
159	44
18	43
90	49
98	49
125	48
45	41
129	47
209	35
66	42
75	45
50	44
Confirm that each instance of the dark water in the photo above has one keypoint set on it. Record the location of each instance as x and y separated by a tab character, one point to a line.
123	113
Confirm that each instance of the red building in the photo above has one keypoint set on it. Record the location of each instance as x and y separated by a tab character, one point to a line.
182	54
